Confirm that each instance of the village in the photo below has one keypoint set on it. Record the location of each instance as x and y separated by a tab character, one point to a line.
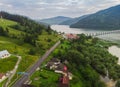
54	64
58	67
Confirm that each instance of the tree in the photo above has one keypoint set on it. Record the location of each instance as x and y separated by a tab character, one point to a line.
7	30
32	51
117	84
49	29
2	32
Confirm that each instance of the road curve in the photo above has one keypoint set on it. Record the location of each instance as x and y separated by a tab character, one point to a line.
24	78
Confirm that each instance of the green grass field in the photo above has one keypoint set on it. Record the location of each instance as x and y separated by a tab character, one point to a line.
6	62
46	40
17	47
45	78
6	25
14	48
4	22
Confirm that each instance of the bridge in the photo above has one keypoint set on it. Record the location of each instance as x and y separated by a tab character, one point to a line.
102	33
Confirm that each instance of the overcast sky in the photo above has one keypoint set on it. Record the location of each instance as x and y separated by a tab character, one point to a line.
38	9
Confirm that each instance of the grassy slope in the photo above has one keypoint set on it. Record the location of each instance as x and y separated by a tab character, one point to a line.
44	40
14	46
45	78
6	23
48	78
7	61
53	77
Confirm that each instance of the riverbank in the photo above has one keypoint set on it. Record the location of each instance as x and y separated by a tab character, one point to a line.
115	51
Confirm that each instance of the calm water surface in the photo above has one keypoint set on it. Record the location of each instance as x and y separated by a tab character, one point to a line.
67	29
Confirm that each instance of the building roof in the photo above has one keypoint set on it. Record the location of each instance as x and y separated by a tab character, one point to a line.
1	75
65	68
50	64
65	80
71	36
3	53
55	60
60	67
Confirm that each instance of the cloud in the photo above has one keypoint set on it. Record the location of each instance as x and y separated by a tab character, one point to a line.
50	8
5	5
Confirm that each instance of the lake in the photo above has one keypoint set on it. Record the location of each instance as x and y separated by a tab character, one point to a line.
66	29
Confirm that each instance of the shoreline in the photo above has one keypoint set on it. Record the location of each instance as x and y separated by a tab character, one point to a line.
115	51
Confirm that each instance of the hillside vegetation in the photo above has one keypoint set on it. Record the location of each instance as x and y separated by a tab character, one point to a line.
55	20
87	58
22	36
73	20
108	19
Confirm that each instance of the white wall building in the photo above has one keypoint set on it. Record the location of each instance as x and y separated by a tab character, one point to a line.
4	54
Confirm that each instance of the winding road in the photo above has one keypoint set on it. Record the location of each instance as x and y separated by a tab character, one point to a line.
24	78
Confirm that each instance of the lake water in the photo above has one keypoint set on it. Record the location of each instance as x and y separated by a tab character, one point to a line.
67	29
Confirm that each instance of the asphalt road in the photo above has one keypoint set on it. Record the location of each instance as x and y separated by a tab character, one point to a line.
24	78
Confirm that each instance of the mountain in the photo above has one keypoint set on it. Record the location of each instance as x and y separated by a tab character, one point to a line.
73	20
41	23
55	20
105	19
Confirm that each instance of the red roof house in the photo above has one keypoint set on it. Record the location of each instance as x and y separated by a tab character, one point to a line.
71	36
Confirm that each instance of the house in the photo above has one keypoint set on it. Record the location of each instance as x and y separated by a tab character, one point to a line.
70	36
64	81
55	60
4	54
2	77
53	63
60	68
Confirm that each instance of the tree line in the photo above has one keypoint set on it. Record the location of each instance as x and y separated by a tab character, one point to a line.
88	58
30	28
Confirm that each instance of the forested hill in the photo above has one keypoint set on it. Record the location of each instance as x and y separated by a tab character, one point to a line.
55	20
20	27
105	19
73	20
22	36
30	25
